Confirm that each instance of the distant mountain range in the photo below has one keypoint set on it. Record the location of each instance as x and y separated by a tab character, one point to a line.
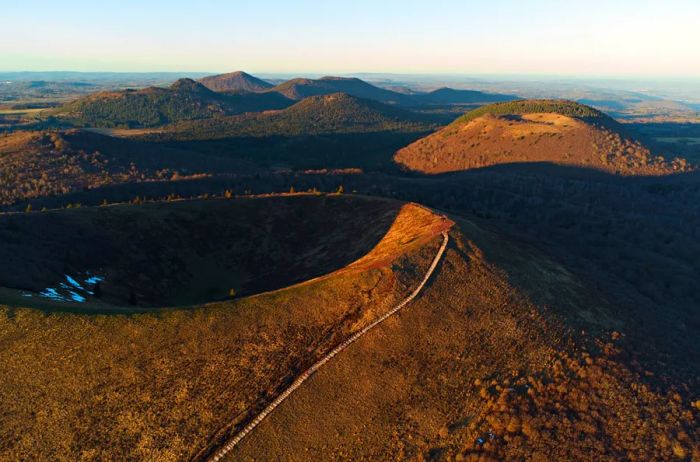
238	92
300	88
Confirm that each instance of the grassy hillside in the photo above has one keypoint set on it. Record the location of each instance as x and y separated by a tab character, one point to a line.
534	131
42	164
162	386
235	81
506	355
478	369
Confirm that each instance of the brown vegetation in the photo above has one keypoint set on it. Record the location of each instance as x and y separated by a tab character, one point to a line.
235	81
40	164
486	139
187	252
475	370
162	386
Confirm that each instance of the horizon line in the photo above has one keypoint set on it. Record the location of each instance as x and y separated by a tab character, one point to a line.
370	73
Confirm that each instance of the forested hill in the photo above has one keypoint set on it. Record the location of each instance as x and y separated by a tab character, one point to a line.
235	81
335	113
153	106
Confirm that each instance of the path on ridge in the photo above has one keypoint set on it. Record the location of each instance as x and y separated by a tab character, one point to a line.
231	443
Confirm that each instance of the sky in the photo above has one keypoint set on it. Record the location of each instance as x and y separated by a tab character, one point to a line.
539	37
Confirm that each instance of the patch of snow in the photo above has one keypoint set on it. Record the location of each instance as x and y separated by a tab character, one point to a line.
94	279
76	297
52	294
73	282
71	290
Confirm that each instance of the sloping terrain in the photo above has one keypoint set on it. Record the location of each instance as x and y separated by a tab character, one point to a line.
184	252
40	164
532	131
154	106
36	164
164	385
505	354
235	81
334	113
330	131
237	93
485	365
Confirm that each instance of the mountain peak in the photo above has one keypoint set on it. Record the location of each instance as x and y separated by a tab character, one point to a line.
186	84
348	79
235	81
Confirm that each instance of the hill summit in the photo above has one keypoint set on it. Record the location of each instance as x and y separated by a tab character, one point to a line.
332	113
236	82
534	131
303	88
153	106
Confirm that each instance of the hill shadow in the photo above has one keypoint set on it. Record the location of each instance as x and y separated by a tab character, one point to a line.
182	253
623	252
573	172
369	151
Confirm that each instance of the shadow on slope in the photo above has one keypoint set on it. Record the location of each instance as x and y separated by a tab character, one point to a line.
184	253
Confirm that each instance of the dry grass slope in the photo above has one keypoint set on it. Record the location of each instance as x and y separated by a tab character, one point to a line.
164	385
475	370
533	131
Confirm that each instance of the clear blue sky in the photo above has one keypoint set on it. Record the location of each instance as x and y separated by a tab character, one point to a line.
595	37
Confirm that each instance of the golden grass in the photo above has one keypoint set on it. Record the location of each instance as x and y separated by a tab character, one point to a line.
161	385
453	368
540	137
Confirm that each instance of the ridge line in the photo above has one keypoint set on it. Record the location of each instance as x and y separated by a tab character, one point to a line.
231	443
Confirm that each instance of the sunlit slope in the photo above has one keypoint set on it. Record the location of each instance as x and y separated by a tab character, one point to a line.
490	363
39	164
235	81
534	131
169	384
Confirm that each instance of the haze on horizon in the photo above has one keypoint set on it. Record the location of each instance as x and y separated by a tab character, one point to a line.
595	38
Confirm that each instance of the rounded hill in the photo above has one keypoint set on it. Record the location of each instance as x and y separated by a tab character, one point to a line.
534	131
154	106
235	81
303	88
504	354
333	113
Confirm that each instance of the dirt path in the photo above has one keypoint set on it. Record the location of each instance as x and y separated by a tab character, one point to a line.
230	444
